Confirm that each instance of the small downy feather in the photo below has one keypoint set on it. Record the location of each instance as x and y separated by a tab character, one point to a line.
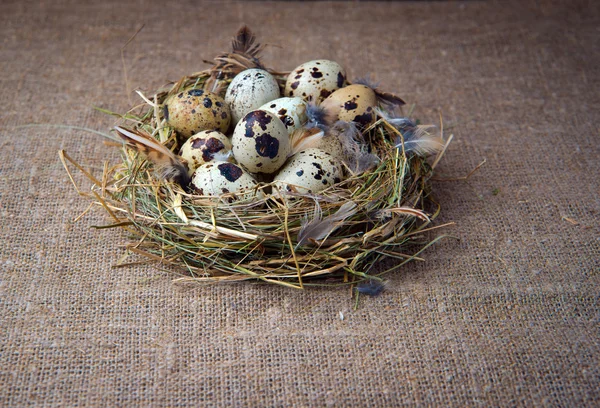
416	138
303	138
384	98
356	150
366	81
319	228
318	117
169	165
371	287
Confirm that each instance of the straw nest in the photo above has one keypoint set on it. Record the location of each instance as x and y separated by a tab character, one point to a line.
336	236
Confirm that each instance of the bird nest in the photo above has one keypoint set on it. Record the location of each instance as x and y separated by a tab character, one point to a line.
338	236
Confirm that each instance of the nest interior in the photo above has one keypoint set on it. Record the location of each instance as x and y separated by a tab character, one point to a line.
334	237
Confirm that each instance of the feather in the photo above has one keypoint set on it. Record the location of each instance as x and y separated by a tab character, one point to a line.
169	165
366	81
421	142
319	228
244	43
302	139
384	98
354	147
318	117
371	287
415	138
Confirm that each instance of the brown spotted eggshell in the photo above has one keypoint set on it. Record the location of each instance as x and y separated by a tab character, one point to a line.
315	80
249	90
261	142
353	103
218	178
205	147
194	110
291	111
309	171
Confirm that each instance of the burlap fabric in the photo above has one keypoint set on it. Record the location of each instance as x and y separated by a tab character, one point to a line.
506	316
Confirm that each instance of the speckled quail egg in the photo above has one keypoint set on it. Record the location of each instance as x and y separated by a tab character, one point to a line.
249	90
194	110
354	103
331	144
315	80
261	142
309	171
218	178
291	111
205	147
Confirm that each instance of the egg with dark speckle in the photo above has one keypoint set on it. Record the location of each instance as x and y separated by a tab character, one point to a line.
315	80
291	111
249	90
205	147
194	110
354	103
224	178
261	142
309	171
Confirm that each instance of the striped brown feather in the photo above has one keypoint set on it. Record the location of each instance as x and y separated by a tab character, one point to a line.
169	165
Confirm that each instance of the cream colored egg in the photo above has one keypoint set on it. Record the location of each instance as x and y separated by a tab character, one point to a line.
291	111
331	144
309	171
261	142
219	178
249	90
353	103
194	110
315	80
205	147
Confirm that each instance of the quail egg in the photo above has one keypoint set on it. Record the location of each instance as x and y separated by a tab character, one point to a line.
354	103
205	147
309	171
315	80
291	111
249	90
194	110
218	178
331	144
261	142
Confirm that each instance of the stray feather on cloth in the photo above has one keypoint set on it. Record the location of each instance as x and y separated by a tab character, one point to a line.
371	287
319	228
168	165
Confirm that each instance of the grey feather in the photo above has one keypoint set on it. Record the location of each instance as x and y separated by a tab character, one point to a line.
317	117
319	228
415	138
356	149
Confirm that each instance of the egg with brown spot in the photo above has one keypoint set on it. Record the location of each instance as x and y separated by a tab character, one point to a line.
291	111
315	80
194	110
260	142
309	171
205	147
331	144
249	90
220	178
354	103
